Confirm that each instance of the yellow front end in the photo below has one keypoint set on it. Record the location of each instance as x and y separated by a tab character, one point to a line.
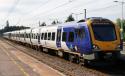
105	46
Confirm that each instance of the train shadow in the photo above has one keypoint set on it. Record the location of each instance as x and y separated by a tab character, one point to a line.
113	68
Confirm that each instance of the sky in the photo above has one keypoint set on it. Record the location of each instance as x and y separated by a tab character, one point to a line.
30	12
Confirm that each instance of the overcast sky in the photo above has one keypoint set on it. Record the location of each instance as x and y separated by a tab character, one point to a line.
30	12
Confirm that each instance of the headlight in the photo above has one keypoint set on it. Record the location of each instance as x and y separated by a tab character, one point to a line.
118	47
95	47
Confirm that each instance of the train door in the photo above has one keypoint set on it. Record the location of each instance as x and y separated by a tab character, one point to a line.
70	39
82	39
39	36
31	36
58	39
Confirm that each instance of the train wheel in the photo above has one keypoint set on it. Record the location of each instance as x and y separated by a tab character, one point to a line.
86	62
66	55
71	58
45	50
59	53
83	62
77	59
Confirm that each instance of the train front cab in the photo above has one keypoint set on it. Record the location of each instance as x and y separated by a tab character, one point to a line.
105	39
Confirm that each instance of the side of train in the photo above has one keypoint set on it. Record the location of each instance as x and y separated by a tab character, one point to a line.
92	39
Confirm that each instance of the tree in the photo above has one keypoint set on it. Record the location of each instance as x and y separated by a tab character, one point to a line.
7	23
54	22
43	24
119	23
70	18
123	25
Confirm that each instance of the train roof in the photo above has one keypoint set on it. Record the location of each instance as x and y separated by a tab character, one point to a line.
67	24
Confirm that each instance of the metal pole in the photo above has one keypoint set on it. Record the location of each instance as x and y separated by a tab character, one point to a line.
85	13
122	36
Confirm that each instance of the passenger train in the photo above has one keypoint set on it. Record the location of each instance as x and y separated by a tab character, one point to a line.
90	39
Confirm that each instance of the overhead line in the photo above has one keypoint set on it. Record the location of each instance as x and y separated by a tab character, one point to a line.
99	9
31	10
55	8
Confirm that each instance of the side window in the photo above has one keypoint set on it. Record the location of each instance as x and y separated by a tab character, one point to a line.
29	35
22	36
45	37
42	36
34	36
26	35
64	36
71	37
53	36
49	36
38	36
80	33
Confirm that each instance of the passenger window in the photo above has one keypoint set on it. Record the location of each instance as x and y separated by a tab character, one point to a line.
71	37
42	36
29	35
26	35
45	37
64	36
80	33
53	36
34	36
38	36
49	36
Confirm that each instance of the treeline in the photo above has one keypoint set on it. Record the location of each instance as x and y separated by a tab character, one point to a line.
8	28
119	21
69	19
12	28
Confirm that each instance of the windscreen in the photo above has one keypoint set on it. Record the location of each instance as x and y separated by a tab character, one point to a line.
104	32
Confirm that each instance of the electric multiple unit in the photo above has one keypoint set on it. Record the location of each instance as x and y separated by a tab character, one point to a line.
91	39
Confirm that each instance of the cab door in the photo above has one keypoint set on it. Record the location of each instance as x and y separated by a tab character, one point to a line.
71	39
83	41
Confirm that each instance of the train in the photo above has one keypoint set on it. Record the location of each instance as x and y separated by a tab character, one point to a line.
83	41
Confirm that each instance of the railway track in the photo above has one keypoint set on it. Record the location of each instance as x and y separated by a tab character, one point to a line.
69	68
